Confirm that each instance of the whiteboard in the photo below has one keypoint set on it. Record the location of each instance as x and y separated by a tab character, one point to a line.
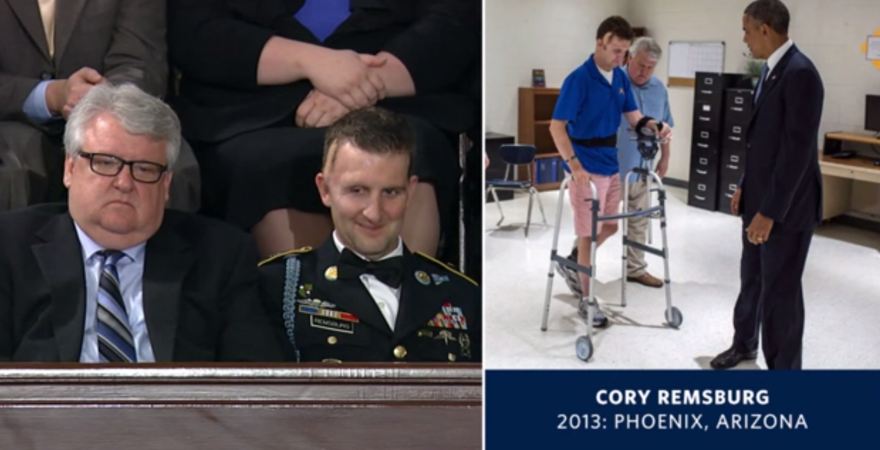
687	58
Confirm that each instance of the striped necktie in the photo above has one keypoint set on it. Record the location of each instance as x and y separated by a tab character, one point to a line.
115	343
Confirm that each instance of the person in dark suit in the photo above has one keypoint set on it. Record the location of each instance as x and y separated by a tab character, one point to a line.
262	79
780	194
363	296
111	276
52	53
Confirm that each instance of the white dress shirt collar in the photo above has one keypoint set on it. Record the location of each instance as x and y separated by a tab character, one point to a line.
397	251
90	247
774	59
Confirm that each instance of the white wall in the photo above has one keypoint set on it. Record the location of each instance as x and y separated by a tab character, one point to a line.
557	35
521	35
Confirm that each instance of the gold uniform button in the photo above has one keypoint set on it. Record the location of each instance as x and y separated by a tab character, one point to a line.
400	352
331	340
452	357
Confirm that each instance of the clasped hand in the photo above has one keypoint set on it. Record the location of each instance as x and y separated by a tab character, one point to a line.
343	81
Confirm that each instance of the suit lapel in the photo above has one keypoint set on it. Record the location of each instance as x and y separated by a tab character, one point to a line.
28	12
67	14
168	260
61	263
419	302
773	79
348	295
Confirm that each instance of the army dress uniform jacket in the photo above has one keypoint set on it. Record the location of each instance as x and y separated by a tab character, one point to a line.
320	317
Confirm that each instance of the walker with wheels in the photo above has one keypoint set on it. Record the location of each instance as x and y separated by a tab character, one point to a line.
648	145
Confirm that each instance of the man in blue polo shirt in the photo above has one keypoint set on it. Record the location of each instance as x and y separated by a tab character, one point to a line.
584	128
653	101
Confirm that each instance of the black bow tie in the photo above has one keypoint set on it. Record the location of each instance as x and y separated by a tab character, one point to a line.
388	271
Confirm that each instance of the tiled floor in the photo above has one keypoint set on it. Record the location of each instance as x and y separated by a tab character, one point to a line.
841	285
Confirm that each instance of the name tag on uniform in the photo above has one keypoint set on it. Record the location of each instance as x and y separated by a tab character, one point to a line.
332	324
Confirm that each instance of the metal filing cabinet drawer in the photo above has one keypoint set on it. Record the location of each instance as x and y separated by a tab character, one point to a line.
738	106
733	164
705	140
707	116
726	188
734	137
702	195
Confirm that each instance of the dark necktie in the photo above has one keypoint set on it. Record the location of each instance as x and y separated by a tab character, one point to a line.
322	17
388	271
761	82
115	343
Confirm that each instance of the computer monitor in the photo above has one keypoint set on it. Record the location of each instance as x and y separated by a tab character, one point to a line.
872	113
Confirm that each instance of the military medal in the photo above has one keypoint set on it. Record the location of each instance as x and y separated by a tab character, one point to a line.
446	336
465	342
423	277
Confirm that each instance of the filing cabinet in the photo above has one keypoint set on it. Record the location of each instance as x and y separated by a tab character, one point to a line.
726	188
734	137
712	99
710	87
738	112
702	192
706	140
707	115
733	163
738	107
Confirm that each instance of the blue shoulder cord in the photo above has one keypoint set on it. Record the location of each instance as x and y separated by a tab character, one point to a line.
291	279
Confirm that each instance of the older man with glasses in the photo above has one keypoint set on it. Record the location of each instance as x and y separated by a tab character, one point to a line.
113	276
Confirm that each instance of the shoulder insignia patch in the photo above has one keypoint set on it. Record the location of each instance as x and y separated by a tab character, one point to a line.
283	254
435	261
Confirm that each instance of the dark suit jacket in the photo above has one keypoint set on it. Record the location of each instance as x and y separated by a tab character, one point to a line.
216	45
124	40
429	288
200	290
782	179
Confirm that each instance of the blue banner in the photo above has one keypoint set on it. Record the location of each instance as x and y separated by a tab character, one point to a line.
682	409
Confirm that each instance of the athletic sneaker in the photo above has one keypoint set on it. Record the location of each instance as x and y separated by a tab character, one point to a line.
599	319
572	277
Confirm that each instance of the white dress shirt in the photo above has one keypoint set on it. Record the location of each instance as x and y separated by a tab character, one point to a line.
774	59
386	297
131	272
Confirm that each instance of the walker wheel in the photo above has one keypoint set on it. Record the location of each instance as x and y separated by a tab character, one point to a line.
674	317
584	348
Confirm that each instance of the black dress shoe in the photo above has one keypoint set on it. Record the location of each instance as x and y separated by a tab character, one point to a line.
730	358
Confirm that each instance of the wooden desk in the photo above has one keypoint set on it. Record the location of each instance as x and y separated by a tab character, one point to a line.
838	175
299	406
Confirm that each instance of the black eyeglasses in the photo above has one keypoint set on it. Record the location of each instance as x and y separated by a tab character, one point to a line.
110	166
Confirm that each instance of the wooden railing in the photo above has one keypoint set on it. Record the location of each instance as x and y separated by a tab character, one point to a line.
240	407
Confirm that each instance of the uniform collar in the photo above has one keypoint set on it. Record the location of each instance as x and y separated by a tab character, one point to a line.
397	251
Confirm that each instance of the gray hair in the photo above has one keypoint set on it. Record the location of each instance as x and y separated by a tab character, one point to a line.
138	112
647	45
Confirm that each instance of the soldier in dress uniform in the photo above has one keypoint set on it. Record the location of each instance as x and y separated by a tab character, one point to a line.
363	296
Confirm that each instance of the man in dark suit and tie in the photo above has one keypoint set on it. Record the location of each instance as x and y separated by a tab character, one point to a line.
780	194
51	53
112	276
363	296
